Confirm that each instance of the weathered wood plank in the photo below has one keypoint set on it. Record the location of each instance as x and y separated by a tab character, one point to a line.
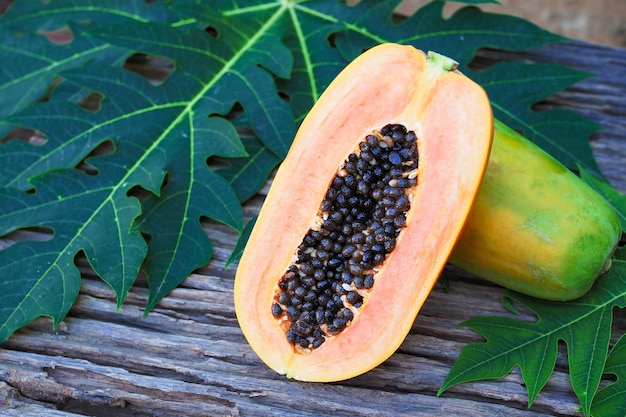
188	357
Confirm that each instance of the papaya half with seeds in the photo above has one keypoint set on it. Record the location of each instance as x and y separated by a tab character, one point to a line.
363	214
536	227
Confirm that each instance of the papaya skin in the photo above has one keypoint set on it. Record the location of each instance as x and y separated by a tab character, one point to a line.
388	84
536	227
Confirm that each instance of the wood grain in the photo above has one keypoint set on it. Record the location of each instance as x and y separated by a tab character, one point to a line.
189	358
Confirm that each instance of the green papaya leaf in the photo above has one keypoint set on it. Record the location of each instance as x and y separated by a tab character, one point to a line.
458	36
235	68
241	242
85	213
248	174
161	138
25	40
609	402
584	325
137	160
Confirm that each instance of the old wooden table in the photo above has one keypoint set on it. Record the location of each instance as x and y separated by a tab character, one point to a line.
189	358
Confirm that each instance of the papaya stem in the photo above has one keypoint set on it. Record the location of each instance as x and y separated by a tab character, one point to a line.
442	61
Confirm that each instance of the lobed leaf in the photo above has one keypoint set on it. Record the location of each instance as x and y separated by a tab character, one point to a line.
248	174
43	40
241	242
161	138
609	402
584	325
85	213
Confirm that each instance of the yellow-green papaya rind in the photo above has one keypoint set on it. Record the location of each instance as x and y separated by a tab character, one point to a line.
535	227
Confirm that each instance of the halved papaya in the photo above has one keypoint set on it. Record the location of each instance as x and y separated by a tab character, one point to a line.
363	213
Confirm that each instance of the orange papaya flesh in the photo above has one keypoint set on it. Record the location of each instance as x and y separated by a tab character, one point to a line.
387	87
536	227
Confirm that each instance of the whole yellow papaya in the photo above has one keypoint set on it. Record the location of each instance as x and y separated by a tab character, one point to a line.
535	227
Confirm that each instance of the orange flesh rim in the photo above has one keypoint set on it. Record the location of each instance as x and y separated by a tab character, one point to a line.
452	119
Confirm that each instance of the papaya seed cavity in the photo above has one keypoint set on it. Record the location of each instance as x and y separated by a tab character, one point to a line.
357	226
